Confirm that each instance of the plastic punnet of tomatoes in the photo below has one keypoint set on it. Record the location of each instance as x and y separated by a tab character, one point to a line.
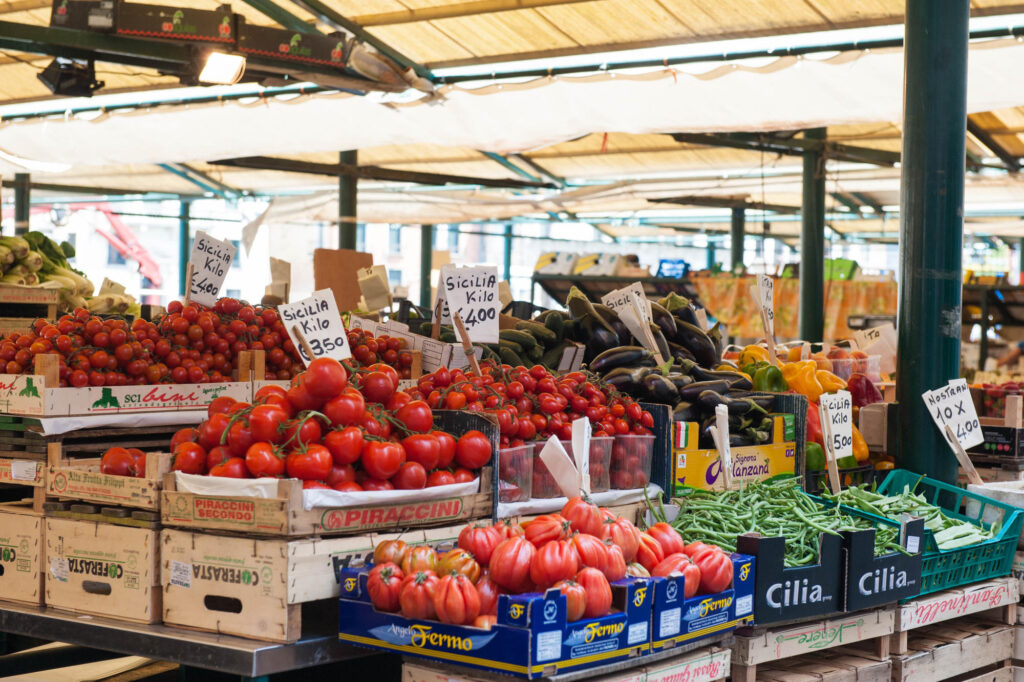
631	461
515	477
544	485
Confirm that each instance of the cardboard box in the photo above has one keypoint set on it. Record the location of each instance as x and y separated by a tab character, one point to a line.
701	468
246	586
336	269
875	580
21	553
676	620
80	479
531	638
703	665
103	569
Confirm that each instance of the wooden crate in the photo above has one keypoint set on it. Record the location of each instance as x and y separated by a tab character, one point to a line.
997	597
103	569
80	479
23	438
868	629
253	587
21	553
28	303
832	665
703	665
939	652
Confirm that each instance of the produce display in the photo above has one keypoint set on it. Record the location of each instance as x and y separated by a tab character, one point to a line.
993	401
331	430
118	461
579	551
772	508
949	533
35	258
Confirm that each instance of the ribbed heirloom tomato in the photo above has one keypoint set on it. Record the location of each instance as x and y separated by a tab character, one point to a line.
384	585
510	564
488	591
583	516
393	551
459	561
575	599
456	600
480	541
649	554
622	533
416	596
419	558
555	560
715	571
668	537
679	563
591	551
615	564
598	591
546	528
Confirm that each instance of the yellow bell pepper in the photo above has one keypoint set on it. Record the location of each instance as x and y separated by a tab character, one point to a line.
802	378
830	383
752	353
860	446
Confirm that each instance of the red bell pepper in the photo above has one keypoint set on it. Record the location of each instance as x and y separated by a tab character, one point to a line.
814	425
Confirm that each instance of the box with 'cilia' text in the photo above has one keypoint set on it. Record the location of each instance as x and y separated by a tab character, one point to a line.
532	637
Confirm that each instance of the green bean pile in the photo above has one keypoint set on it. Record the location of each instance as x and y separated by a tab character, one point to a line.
771	508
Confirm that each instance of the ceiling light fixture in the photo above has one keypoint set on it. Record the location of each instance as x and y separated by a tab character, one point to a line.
71	77
221	68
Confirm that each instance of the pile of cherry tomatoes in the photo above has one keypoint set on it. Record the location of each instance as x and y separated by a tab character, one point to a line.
580	551
332	430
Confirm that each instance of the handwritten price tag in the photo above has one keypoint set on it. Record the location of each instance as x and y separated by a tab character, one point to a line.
316	321
109	286
626	296
211	259
473	294
766	297
839	408
951	405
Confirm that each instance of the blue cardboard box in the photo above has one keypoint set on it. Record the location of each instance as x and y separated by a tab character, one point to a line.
677	619
530	639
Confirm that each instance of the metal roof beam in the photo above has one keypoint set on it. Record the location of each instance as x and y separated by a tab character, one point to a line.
558	180
791	146
505	163
373	173
727	202
846	201
869	202
282	16
94	191
1011	162
456	10
201	180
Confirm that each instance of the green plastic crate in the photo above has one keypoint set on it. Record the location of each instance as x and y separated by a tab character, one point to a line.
944	569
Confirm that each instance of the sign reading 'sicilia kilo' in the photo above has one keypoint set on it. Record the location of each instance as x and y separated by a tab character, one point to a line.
314	325
211	259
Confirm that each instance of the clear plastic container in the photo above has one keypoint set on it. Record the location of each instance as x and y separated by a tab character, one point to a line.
869	366
515	473
631	461
544	485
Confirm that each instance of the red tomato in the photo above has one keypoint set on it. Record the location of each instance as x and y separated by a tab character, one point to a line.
598	591
325	378
419	558
186	435
377	387
546	528
456	600
575	599
233	467
680	564
310	464
216	456
510	564
387	369
583	516
382	459
117	461
416	416
211	431
555	560
394	551
239	438
189	458
416	596
423	448
384	585
376	484
345	445
480	541
265	423
650	553
488	591
263	459
590	550
348	487
446	455
440	477
346	409
668	537
622	533
462	475
473	450
715	571
300	397
459	561
695	548
219	405
340	475
140	462
486	621
410	476
615	566
269	390
509	529
302	431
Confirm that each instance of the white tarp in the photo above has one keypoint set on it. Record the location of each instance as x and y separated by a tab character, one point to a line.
767	94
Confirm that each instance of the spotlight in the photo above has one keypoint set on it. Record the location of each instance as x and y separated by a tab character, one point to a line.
71	77
222	69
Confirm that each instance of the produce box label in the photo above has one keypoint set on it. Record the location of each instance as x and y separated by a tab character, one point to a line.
702	468
21	471
677	619
532	637
958	602
357	518
706	665
876	580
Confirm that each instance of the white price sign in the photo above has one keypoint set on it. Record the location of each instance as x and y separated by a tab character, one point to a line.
952	406
627	296
766	297
211	259
473	294
317	321
837	413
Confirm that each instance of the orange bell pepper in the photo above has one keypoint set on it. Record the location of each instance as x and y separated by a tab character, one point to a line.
830	383
860	446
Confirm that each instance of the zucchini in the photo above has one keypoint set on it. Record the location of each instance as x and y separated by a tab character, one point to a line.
509	357
543	335
512	346
522	338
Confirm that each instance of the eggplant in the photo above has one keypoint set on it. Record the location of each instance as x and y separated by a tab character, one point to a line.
735	379
765	402
680	353
685	412
697	342
581	308
679	380
661	342
693	391
622	356
709	400
660	389
628	380
715	334
687	314
597	339
611	318
707	441
664	320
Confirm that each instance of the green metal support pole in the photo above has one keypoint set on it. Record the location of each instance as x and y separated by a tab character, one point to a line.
347	187
931	224
508	252
711	255
1020	254
183	245
812	243
21	202
426	263
739	216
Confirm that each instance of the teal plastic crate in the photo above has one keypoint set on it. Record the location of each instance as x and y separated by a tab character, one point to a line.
943	569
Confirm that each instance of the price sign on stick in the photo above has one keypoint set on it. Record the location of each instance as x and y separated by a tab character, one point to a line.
764	295
373	283
620	298
473	294
836	413
953	412
210	260
634	310
314	326
720	434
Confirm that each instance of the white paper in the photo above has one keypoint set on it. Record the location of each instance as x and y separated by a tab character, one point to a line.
838	407
59	568
581	451
473	293
952	405
109	286
504	293
319	321
53	426
373	283
702	318
23	470
620	298
720	434
181	574
766	297
441	309
561	467
211	259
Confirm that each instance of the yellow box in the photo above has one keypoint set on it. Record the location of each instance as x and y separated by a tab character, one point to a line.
697	467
